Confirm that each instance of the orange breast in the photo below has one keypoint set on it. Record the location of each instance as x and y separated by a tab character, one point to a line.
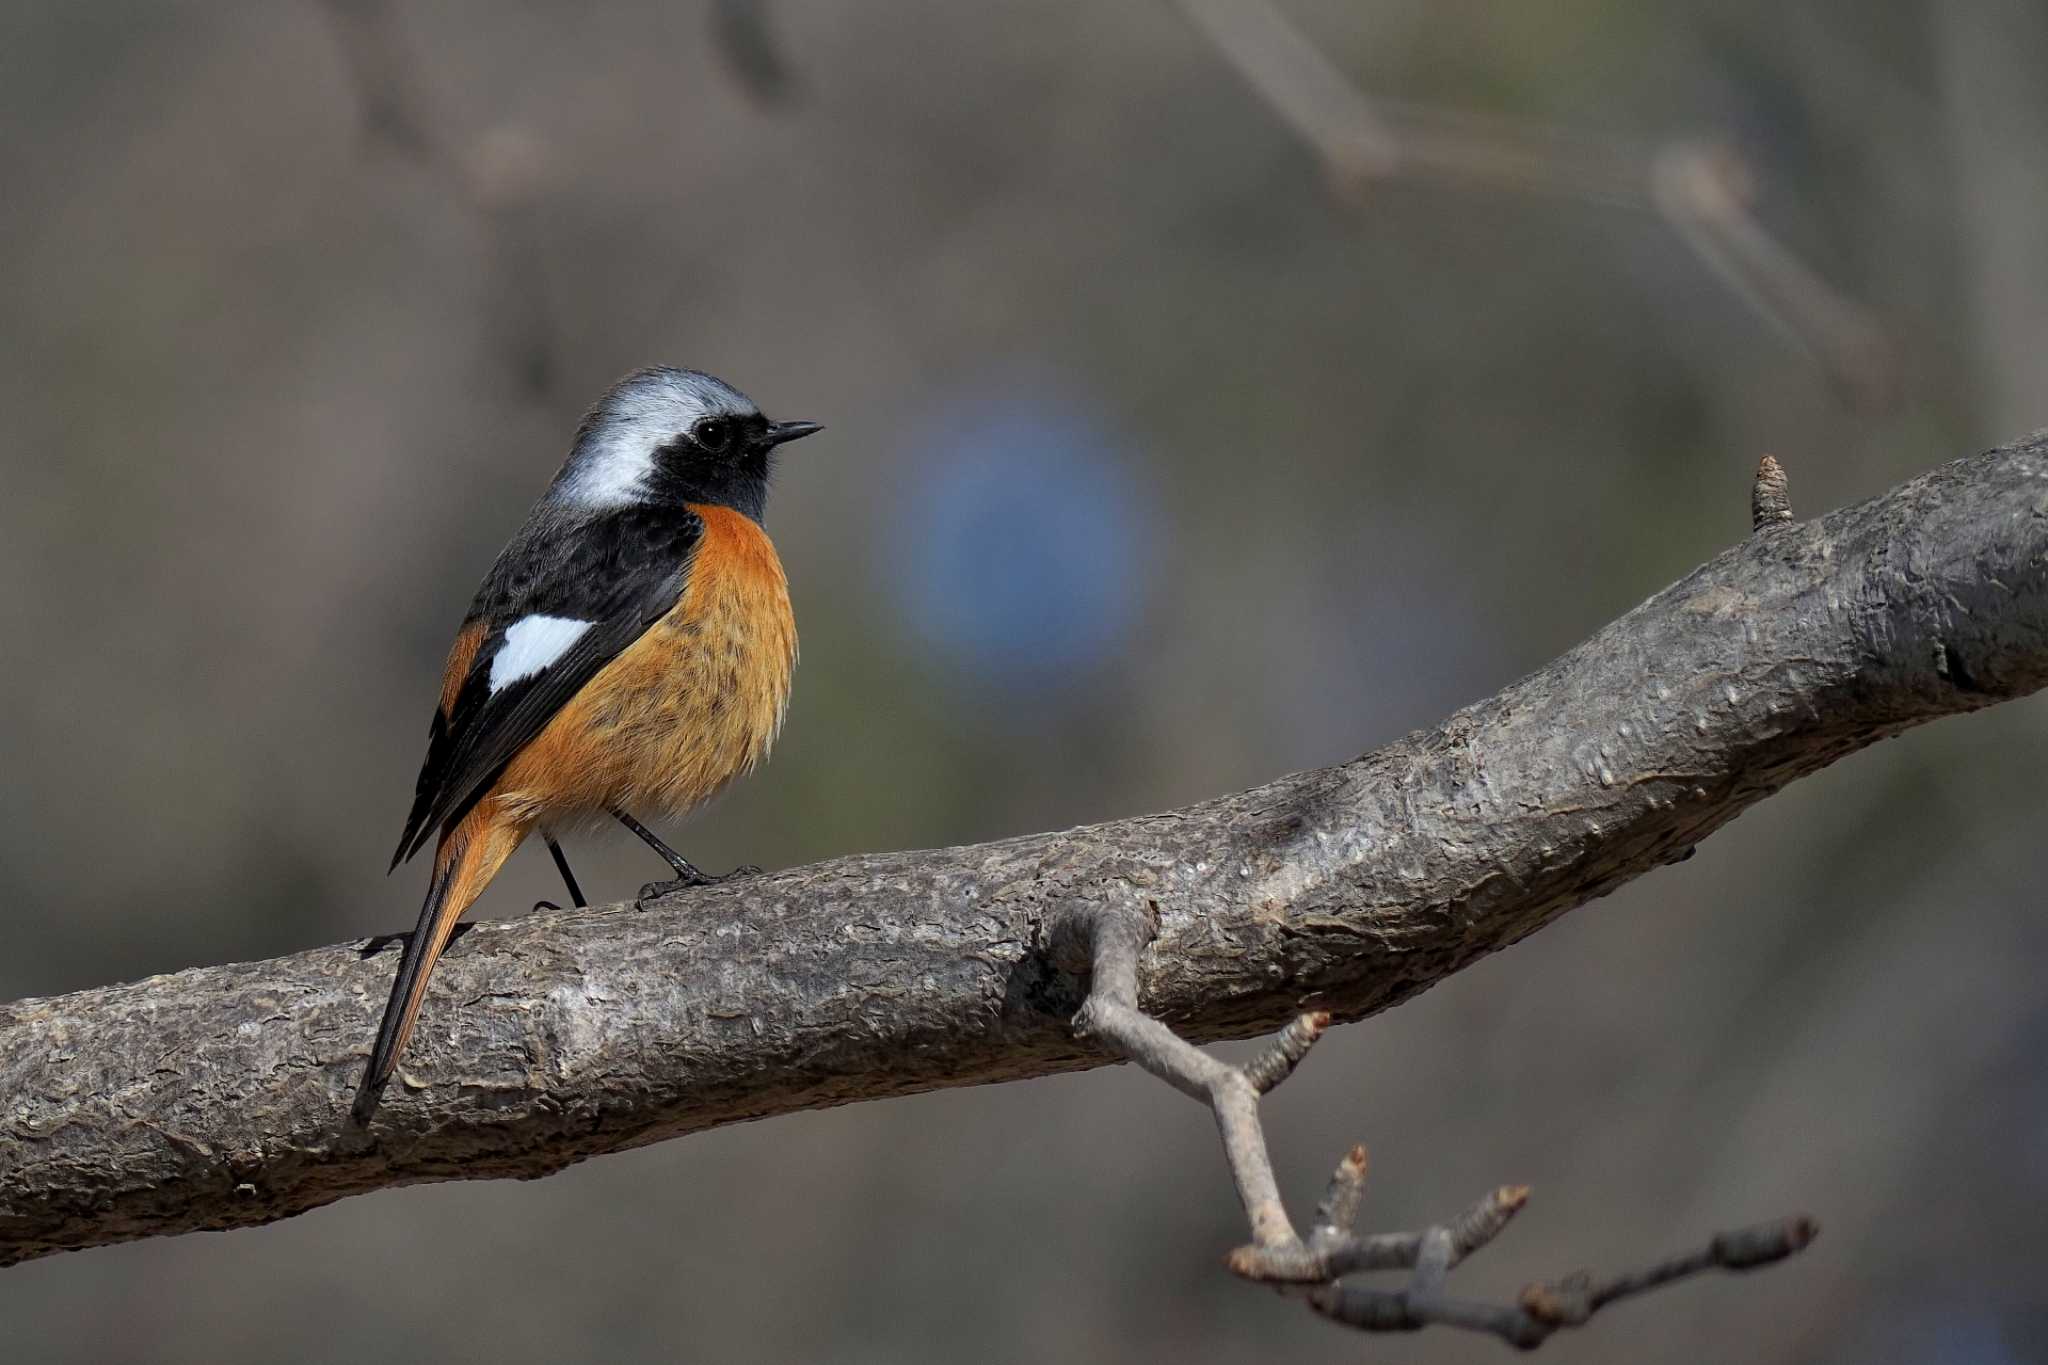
689	706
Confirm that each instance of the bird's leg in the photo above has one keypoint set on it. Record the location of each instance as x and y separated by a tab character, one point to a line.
686	870
373	946
568	877
687	873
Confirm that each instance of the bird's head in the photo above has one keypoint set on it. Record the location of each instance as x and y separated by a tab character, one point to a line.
663	436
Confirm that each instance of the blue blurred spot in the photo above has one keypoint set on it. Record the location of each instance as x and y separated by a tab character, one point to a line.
1944	1332
1025	543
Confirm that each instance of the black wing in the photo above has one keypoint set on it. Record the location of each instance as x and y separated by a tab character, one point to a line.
620	572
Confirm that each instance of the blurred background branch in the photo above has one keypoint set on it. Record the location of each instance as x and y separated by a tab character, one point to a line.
745	35
497	177
1704	190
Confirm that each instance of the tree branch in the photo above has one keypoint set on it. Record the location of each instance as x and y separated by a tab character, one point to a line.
218	1097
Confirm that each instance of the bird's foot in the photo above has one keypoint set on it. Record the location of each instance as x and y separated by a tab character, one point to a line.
373	946
654	890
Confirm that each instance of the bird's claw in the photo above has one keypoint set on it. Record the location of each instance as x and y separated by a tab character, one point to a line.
656	890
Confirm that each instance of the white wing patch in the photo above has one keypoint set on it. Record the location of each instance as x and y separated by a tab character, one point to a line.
532	644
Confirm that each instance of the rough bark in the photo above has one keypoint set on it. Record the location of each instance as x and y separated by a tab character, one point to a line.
218	1097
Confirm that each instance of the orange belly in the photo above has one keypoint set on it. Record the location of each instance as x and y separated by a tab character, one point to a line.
686	708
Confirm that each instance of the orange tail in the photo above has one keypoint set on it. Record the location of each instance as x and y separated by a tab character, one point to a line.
468	857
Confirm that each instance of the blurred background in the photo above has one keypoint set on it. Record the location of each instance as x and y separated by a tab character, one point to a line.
1213	390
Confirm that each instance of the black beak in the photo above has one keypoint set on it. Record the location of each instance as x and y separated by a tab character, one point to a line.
779	432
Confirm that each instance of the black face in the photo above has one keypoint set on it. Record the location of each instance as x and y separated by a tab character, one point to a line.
723	459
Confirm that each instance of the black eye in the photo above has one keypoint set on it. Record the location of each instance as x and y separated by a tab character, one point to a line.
713	433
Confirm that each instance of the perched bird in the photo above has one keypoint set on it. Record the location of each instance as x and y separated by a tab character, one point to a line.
631	648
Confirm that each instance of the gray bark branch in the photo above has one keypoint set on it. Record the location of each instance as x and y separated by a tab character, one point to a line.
218	1097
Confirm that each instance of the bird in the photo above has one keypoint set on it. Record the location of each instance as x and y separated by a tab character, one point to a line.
631	649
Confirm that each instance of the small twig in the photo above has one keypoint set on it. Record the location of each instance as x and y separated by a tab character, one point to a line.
1770	497
1339	1209
1316	1269
1575	1298
1111	1014
1278	1061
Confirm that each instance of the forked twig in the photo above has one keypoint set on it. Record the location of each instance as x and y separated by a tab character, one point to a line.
1317	1268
